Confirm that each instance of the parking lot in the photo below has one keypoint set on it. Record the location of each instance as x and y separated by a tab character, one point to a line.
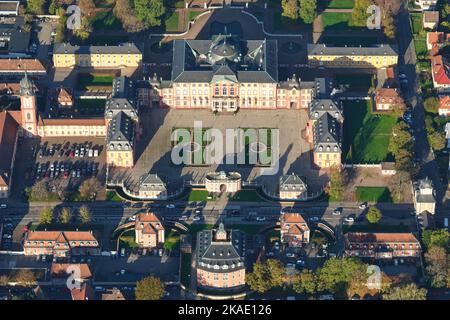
62	162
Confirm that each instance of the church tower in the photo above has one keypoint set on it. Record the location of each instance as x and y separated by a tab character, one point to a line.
28	107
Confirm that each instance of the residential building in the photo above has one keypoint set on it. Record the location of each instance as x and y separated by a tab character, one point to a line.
220	259
294	230
14	37
9	135
80	272
426	4
18	67
11	90
60	243
444	106
120	141
152	187
388	168
388	98
123	99
149	230
430	19
226	74
9	8
220	182
125	55
440	71
65	98
327	141
85	292
437	39
382	56
113	294
382	246
424	196
291	186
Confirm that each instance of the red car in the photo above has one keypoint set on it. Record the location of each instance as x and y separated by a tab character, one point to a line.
72	154
66	174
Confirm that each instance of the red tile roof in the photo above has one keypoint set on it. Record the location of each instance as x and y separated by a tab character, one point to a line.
380	237
292	218
72	122
388	95
14	65
148	223
440	69
60	270
86	292
444	102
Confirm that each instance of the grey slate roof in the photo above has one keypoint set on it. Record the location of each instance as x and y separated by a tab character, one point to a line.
120	133
325	50
327	134
11	28
123	98
213	255
152	182
246	61
318	107
67	48
292	182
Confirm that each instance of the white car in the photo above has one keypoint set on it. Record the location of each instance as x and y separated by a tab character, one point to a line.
196	218
314	219
290	255
3	206
290	265
170	206
349	219
183	218
402	76
363	206
132	218
260	219
336	213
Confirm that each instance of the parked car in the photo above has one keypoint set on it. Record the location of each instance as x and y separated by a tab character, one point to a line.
363	206
349	219
170	206
314	219
260	219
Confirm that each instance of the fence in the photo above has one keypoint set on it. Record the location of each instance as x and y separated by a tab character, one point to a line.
307	197
362	165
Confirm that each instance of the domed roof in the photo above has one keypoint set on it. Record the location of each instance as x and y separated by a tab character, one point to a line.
223	48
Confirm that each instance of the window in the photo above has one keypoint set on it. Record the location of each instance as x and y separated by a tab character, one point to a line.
224	91
216	91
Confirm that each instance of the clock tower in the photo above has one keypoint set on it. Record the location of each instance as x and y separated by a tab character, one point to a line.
28	107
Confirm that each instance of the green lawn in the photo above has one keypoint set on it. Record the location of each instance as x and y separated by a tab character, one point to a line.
246	195
127	240
172	241
341	4
338	21
366	136
94	79
113	196
199	195
375	228
185	268
171	21
416	22
194	14
354	82
373	194
420	44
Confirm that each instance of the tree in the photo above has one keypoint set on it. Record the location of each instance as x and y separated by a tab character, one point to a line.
406	292
336	185
289	9
87	7
399	182
150	12
437	264
65	216
89	188
149	288
4	280
85	214
389	27
359	13
40	191
437	140
123	11
308	10
336	274
36	6
46	216
431	104
305	282
85	30
266	276
438	237
25	277
373	215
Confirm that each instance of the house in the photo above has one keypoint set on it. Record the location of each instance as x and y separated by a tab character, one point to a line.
388	168
15	36
437	39
373	57
85	292
430	19
152	187
125	55
387	98
10	67
9	8
113	294
220	259
79	272
291	186
60	243
12	90
424	196
444	106
120	141
382	246
219	182
440	71
65	98
149	231
426	4
294	230
391	79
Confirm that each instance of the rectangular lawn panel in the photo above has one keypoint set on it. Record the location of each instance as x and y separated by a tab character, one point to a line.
94	79
416	22
366	136
420	44
172	22
198	195
341	4
373	194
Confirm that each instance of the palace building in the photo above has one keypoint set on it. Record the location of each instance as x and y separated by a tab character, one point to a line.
226	74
